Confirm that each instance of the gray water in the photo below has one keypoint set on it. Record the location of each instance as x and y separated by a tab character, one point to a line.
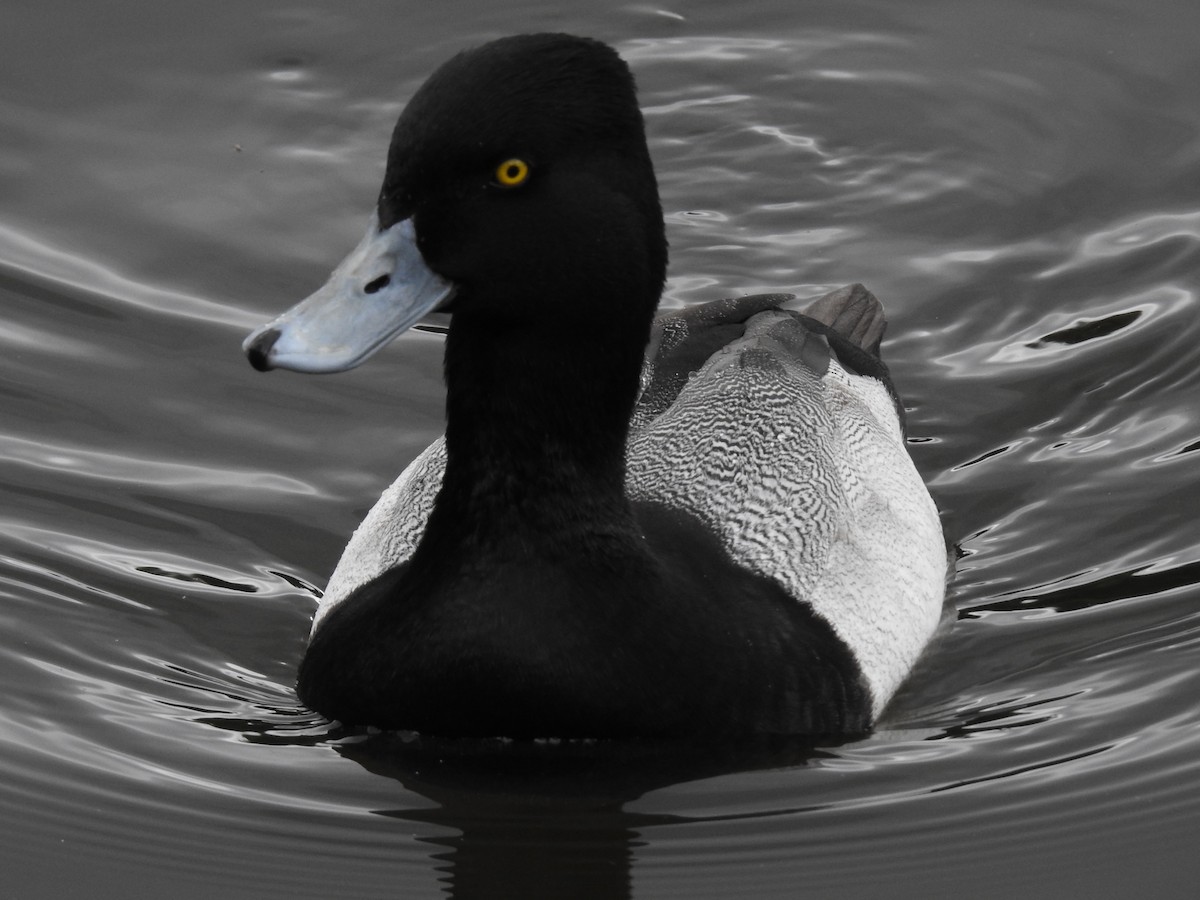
1017	181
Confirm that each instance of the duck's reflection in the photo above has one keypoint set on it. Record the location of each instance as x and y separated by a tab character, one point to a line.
541	820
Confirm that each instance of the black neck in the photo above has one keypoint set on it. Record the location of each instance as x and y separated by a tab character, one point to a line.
536	420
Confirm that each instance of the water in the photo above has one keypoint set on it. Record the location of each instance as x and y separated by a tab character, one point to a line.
1016	181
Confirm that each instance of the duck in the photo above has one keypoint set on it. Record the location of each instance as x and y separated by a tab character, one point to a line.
697	525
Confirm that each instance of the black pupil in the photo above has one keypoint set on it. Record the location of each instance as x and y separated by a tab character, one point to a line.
513	172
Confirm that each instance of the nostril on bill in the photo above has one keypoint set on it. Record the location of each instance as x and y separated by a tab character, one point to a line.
377	285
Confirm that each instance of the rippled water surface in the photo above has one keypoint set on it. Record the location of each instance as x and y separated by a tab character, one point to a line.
1017	181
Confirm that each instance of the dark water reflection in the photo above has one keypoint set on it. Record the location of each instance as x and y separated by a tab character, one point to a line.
547	820
1016	181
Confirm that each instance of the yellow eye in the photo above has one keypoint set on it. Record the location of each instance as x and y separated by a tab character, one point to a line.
512	172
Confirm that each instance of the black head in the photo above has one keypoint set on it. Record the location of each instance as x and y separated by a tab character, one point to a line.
519	192
523	164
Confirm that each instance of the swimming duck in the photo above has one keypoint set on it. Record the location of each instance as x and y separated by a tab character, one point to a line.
704	525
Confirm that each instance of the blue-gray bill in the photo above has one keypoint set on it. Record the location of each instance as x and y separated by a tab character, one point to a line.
381	289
